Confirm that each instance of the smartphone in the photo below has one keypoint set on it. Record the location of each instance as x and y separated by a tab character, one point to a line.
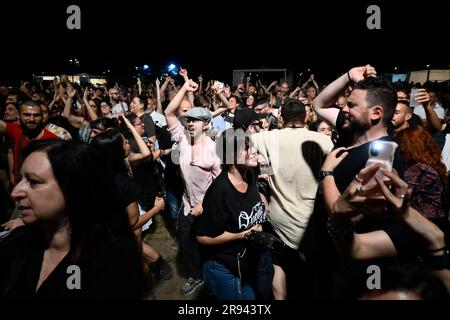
218	85
382	152
412	98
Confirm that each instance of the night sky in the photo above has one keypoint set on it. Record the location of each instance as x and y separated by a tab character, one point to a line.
213	37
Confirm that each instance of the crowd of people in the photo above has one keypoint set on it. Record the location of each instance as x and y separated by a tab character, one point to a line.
271	192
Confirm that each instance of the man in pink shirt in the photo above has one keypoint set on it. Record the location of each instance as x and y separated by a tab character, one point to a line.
199	166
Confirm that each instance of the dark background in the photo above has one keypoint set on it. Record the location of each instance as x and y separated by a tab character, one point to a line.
213	37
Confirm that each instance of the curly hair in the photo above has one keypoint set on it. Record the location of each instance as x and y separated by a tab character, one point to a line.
418	145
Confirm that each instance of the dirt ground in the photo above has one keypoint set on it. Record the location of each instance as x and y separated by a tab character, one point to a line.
160	239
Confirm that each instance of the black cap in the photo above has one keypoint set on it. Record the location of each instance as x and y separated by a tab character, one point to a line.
245	117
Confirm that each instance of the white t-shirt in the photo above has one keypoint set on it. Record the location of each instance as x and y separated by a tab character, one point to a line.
158	119
292	181
420	111
119	108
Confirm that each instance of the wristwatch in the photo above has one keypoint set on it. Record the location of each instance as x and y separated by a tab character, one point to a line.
323	174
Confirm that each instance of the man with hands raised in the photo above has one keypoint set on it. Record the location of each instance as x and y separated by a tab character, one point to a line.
199	166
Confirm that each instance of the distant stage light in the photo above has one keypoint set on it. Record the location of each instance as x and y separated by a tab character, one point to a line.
145	67
171	67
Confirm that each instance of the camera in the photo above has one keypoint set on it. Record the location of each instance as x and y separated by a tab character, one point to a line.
382	152
375	149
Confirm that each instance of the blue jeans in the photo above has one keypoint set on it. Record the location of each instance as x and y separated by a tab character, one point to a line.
174	203
223	284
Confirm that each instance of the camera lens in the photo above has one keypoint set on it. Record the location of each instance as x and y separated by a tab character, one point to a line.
374	151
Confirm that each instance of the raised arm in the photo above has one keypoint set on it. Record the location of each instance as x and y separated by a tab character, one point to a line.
56	98
92	115
158	97
67	112
163	88
433	121
324	102
267	90
314	82
139	84
184	74
200	82
293	93
172	108
144	151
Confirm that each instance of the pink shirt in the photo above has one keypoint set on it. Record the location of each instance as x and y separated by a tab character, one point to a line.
199	173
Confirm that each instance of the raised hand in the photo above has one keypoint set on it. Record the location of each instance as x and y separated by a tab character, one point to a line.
86	94
183	73
200	78
360	73
422	97
190	86
157	82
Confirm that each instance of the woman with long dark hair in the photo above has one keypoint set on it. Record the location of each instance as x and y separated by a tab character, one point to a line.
76	242
115	151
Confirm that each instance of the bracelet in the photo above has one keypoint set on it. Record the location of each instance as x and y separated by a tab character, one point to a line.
437	250
349	79
438	262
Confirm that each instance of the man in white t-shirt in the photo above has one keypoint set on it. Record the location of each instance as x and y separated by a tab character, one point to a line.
295	155
119	107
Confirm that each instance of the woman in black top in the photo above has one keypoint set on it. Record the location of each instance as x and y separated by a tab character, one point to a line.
115	152
75	244
232	208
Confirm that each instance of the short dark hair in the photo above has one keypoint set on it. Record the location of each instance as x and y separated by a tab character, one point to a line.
143	100
231	142
293	111
103	124
379	93
238	100
30	103
202	101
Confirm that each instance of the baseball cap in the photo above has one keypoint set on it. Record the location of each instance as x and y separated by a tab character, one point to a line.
245	117
199	113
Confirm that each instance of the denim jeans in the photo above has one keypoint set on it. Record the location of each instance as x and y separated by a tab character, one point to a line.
223	284
174	204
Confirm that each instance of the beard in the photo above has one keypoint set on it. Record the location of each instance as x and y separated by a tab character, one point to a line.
31	133
354	126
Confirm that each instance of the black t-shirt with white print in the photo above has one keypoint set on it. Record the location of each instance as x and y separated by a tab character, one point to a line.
227	209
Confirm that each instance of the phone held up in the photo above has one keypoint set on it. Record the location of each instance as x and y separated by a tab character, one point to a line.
382	152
